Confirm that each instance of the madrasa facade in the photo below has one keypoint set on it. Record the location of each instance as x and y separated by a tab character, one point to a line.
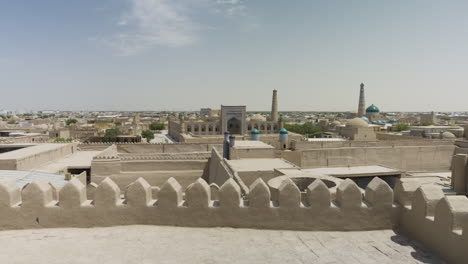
232	119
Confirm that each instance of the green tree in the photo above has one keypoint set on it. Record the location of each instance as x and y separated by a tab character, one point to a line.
402	127
117	123
71	121
427	124
148	134
11	122
111	135
156	126
309	129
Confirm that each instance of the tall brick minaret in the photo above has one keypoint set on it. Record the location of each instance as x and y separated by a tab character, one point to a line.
362	103
274	107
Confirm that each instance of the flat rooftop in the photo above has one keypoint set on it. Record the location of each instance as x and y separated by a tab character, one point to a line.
80	159
21	178
165	244
251	144
354	171
29	150
259	164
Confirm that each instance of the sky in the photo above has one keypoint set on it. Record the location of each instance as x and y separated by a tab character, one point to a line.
412	55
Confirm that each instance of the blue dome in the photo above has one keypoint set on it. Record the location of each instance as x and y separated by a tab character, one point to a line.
365	118
283	131
254	131
372	109
393	120
374	122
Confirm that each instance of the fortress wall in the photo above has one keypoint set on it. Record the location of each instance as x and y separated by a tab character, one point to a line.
141	148
8	164
419	158
218	170
153	167
438	221
154	178
305	145
106	162
249	177
253	153
153	148
386	136
294	157
461	147
108	153
38	158
162	165
35	206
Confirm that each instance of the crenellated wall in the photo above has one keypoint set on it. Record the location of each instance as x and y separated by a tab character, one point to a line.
35	206
438	221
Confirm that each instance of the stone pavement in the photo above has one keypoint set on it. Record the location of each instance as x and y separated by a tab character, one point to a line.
160	244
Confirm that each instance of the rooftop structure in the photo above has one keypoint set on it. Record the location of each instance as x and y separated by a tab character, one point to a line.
362	102
21	178
274	107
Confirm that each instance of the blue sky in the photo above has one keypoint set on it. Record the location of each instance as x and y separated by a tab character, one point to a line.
187	54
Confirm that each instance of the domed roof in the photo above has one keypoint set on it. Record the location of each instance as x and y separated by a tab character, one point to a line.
283	131
372	109
254	131
447	134
257	117
365	118
357	122
336	123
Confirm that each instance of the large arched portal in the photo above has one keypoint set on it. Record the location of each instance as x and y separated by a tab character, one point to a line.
234	126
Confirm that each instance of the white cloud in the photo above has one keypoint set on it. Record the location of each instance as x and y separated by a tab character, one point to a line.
228	1
149	23
171	23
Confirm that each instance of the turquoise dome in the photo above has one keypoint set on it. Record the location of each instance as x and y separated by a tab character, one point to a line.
372	109
365	118
283	131
254	131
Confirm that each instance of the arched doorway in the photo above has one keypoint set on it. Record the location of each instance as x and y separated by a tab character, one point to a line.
234	126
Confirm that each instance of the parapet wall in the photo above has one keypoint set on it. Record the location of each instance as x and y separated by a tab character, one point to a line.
415	158
152	148
35	206
307	145
35	156
438	221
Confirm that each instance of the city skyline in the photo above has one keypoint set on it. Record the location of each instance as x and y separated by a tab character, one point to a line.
185	55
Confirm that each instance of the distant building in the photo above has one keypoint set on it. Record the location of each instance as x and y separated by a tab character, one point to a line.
205	112
232	119
428	118
358	130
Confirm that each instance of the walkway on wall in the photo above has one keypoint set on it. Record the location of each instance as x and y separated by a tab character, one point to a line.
160	244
